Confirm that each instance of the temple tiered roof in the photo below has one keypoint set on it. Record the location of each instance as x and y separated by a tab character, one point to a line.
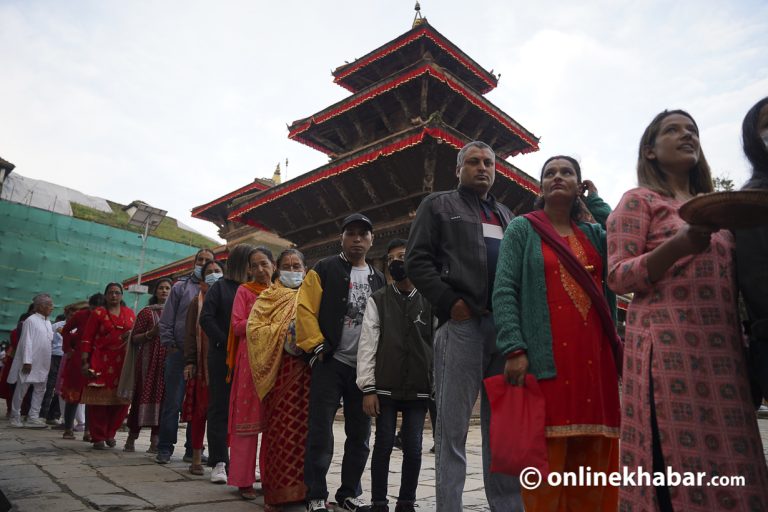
403	51
405	99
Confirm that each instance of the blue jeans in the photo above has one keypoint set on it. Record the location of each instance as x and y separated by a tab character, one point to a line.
331	381
172	401
465	354
411	432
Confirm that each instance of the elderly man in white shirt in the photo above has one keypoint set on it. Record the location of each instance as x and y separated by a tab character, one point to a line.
32	362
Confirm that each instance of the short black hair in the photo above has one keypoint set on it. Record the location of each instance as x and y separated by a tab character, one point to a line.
395	243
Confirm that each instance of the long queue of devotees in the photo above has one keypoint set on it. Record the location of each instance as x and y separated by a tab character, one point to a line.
264	351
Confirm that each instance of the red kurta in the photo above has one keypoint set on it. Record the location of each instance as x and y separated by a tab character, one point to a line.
583	399
149	370
102	339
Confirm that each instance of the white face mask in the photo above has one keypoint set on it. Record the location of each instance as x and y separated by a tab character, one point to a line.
291	279
213	277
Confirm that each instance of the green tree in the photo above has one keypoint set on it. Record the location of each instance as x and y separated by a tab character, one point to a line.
723	183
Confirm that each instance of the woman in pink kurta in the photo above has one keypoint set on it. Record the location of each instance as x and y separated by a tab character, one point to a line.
686	404
245	415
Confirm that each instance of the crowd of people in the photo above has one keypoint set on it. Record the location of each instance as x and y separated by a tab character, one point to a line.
265	350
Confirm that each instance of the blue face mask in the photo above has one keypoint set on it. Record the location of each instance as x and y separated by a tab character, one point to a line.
212	278
291	279
198	272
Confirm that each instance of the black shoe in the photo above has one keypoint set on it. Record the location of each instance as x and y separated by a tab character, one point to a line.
404	507
379	508
163	458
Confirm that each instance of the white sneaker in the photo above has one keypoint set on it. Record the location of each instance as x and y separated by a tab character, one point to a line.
316	506
16	423
36	423
219	474
355	505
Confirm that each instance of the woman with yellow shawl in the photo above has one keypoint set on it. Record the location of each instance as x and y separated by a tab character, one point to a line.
281	378
245	417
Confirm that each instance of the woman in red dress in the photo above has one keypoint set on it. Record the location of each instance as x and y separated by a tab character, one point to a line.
103	347
555	319
245	413
6	390
73	380
145	375
281	379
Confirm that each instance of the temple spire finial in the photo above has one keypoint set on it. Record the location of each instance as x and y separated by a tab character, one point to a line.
276	175
418	19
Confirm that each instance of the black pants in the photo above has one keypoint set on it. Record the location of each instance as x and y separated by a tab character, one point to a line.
332	381
218	406
411	433
50	409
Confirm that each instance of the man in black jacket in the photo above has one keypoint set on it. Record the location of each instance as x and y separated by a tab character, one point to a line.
451	258
329	317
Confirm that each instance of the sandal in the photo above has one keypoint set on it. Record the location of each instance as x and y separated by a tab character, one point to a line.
247	493
196	469
68	434
99	445
111	443
87	437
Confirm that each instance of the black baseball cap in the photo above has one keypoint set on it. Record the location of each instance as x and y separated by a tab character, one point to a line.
357	217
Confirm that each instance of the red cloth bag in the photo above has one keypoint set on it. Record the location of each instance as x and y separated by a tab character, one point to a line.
517	426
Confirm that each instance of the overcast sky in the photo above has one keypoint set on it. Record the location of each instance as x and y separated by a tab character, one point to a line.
179	102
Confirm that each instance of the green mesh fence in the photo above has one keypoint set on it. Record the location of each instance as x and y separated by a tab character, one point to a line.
45	252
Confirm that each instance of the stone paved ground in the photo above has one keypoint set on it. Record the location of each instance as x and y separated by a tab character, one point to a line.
40	472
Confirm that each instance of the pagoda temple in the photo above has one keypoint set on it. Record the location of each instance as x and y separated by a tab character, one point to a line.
415	101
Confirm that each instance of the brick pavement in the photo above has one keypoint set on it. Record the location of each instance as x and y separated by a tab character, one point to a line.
40	472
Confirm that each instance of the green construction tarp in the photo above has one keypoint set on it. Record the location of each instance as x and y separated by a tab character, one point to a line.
68	258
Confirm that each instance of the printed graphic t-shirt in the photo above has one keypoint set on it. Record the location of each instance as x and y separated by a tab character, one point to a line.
359	291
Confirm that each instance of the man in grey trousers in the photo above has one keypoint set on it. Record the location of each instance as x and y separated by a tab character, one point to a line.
451	258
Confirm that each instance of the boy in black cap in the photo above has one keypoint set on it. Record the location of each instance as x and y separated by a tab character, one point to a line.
394	372
331	303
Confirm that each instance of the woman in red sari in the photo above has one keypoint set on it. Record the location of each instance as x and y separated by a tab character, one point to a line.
245	416
147	358
195	407
73	380
6	390
555	319
103	347
281	377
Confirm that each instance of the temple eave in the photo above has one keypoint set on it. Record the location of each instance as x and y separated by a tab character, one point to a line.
384	109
